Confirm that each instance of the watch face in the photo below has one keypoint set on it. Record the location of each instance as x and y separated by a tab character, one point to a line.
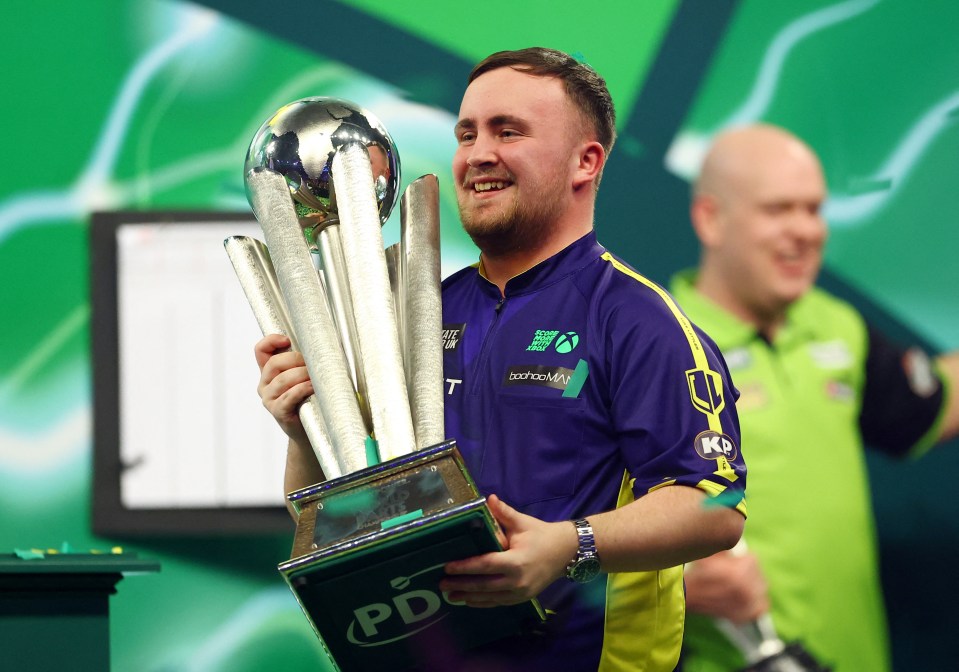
585	570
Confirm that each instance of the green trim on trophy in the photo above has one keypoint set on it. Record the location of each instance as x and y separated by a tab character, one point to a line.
399	520
372	452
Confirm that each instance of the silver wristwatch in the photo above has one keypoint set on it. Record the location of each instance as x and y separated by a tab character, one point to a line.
585	565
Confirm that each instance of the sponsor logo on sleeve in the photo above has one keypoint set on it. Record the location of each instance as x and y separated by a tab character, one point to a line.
712	445
919	372
706	390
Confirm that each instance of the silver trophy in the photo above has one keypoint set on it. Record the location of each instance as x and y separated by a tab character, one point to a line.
322	176
297	153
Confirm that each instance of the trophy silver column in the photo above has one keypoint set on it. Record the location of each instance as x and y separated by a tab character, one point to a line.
254	269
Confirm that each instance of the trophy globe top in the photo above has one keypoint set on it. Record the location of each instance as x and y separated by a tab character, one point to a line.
299	141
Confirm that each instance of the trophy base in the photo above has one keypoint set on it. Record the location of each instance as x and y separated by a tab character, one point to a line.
368	556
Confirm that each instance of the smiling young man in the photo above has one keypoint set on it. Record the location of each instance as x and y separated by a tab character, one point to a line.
574	401
598	421
816	384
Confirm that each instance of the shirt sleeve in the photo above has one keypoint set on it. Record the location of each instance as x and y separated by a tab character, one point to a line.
902	397
674	409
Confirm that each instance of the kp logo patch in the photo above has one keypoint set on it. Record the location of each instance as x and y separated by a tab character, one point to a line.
712	446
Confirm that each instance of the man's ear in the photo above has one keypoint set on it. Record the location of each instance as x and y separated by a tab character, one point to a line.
592	158
704	214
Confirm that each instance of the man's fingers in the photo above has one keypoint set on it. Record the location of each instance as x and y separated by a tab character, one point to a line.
484	591
268	346
486	564
488	600
505	514
283	381
475	584
280	364
287	404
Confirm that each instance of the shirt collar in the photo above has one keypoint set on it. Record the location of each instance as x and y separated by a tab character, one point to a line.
727	330
562	264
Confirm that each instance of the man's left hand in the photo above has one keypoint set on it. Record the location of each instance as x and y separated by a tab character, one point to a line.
535	554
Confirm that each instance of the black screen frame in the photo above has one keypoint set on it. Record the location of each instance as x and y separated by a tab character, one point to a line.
109	516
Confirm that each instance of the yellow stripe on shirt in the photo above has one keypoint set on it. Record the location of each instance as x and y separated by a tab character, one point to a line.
709	406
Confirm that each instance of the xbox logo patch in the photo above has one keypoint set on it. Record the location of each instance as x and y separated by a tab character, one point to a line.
566	342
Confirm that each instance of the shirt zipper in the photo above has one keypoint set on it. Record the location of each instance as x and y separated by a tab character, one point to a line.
483	359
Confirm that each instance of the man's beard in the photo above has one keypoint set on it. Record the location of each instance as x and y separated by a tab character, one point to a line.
521	226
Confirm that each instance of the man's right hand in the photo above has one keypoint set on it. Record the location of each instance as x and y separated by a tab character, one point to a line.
284	383
727	585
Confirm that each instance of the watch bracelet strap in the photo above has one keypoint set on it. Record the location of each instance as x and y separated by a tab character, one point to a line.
586	541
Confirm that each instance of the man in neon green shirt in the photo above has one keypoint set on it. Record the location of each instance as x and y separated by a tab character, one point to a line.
816	384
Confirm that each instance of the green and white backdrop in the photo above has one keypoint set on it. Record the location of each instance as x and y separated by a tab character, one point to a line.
150	104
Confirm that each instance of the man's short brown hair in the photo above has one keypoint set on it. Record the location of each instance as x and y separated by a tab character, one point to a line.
585	87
